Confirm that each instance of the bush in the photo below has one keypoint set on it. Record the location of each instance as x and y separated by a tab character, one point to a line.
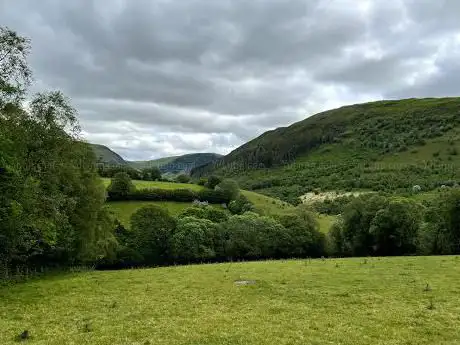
215	215
120	187
212	182
182	178
152	228
196	212
151	174
303	230
240	205
193	240
202	181
441	235
395	228
229	188
250	236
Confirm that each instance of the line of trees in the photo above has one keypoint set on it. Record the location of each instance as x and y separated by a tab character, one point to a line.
51	198
209	234
378	225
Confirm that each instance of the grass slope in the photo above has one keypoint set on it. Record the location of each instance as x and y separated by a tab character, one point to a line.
151	163
371	146
375	301
123	210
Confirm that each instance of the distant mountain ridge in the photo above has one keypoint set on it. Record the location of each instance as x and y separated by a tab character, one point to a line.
168	165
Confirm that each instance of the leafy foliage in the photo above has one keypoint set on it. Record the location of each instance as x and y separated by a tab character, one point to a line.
152	228
121	186
51	201
240	205
193	240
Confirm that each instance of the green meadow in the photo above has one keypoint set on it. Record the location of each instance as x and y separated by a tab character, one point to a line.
398	301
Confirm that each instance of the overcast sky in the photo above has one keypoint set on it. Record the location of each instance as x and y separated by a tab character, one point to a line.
164	77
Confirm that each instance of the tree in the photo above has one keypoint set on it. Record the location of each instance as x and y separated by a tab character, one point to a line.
195	211
52	201
151	174
240	205
193	240
212	182
152	228
215	215
441	234
250	236
229	188
183	178
15	74
303	229
120	186
395	228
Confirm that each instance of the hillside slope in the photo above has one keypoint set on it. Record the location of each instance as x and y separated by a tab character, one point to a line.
385	145
107	156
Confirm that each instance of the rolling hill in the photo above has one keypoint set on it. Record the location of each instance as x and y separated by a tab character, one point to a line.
107	156
385	145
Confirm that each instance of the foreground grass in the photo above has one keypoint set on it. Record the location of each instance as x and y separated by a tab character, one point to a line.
343	301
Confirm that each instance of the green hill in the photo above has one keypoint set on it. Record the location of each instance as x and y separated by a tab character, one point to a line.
385	145
178	164
107	156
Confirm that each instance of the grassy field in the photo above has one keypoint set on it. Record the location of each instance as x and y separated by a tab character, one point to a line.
124	209
262	203
333	301
161	185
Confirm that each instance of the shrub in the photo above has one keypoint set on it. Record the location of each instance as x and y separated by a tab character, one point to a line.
229	188
395	228
183	178
197	212
215	215
120	187
305	238
240	205
193	240
152	228
202	181
212	182
151	174
250	236
442	232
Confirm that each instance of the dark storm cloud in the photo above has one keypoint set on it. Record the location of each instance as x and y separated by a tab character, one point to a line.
151	78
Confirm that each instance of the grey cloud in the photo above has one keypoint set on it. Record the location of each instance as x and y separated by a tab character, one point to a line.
151	78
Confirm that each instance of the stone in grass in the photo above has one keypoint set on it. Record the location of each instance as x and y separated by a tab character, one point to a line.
245	282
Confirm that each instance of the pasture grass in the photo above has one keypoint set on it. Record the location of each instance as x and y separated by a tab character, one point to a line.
359	301
123	210
160	184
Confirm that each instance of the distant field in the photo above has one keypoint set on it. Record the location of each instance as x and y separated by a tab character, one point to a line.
161	185
124	209
378	301
262	203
